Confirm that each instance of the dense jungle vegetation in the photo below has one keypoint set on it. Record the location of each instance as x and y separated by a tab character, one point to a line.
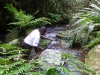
19	17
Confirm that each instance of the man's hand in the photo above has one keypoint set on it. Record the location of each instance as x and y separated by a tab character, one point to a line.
38	48
51	39
43	37
42	49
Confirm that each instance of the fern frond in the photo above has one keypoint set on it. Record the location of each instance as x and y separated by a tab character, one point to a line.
95	6
77	66
93	43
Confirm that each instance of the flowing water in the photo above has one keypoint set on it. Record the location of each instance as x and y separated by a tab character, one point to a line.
61	45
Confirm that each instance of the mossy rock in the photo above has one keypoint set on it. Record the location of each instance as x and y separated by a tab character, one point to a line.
93	58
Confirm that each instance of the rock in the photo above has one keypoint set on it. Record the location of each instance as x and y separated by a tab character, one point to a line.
0	42
93	58
15	41
51	56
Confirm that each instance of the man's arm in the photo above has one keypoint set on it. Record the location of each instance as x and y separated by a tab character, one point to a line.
43	37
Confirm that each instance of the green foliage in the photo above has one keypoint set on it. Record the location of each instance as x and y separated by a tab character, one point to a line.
41	21
24	21
9	64
78	35
43	43
84	18
54	17
95	19
93	43
87	21
78	65
53	71
22	67
9	47
88	15
62	7
74	64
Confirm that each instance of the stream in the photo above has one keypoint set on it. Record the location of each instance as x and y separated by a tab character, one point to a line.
59	45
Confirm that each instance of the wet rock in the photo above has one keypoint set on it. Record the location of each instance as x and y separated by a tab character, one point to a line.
51	56
93	58
58	45
15	41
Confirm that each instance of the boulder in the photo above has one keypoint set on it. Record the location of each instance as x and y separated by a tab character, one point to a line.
93	58
51	56
15	41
